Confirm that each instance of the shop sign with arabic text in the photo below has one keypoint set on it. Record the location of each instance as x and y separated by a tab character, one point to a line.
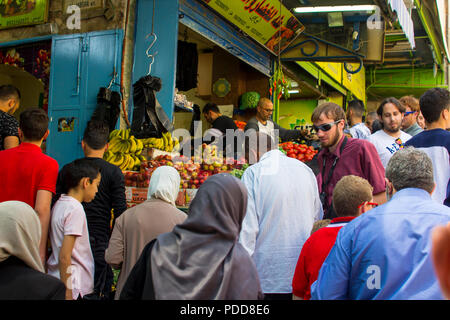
266	21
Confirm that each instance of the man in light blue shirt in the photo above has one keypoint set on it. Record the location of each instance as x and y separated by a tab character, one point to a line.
354	113
386	252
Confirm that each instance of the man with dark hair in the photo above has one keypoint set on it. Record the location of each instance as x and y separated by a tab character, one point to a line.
385	254
354	114
352	196
435	140
218	121
27	174
9	103
390	139
412	111
110	196
341	156
219	126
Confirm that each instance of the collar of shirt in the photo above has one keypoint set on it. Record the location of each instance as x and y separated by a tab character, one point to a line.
271	153
342	219
337	153
412	192
30	147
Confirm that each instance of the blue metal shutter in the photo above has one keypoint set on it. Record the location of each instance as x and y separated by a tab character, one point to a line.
80	65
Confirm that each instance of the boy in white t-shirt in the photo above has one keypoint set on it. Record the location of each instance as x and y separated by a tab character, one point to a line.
71	259
390	139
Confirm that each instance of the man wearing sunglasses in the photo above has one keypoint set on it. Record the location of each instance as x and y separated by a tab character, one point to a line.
385	254
412	111
341	156
390	139
263	122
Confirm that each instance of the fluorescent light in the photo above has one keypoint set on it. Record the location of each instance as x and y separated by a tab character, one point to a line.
368	7
293	91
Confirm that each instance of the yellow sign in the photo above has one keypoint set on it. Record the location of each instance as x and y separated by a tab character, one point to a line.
355	82
266	21
22	12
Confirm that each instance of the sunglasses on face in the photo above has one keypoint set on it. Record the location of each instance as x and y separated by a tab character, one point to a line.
409	112
325	127
373	204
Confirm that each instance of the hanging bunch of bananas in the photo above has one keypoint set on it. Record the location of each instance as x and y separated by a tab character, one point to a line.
166	143
124	151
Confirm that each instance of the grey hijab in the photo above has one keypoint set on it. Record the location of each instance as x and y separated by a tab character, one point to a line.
202	258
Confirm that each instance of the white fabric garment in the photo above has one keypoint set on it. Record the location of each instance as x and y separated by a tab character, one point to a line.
360	131
164	184
267	129
68	218
283	204
386	145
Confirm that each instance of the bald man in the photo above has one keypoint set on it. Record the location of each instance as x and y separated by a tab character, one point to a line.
262	122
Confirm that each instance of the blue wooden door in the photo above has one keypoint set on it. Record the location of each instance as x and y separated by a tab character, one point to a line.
80	65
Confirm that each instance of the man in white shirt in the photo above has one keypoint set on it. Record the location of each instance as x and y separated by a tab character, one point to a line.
390	139
355	111
262	123
283	204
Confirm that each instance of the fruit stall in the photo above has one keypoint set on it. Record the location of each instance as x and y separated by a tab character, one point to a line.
138	158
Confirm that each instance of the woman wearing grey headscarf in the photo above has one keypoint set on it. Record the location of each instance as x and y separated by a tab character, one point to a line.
22	274
201	258
139	225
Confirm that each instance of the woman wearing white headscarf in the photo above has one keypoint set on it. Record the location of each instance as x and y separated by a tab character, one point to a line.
22	274
140	224
201	259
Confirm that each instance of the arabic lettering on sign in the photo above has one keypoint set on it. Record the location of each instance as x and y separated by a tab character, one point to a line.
266	21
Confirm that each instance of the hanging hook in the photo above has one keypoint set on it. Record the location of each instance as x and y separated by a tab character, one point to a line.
152	56
112	80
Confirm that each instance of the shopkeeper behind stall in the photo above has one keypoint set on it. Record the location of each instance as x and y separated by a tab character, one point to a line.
262	122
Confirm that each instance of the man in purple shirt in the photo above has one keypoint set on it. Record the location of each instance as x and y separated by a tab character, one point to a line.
341	156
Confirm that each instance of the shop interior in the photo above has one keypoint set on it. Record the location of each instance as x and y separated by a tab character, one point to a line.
220	77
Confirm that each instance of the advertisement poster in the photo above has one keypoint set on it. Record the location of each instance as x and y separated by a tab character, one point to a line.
14	13
266	21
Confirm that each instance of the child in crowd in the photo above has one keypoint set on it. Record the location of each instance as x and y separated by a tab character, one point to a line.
71	259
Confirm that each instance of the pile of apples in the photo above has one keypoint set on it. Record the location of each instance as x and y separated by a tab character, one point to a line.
193	172
300	152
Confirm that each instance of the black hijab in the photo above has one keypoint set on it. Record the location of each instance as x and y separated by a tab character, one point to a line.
202	258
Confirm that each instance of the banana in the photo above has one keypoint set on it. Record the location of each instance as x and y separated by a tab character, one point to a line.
140	145
130	164
133	146
114	144
113	133
127	134
117	159
142	158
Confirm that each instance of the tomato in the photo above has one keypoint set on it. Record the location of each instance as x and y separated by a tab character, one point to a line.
302	150
301	156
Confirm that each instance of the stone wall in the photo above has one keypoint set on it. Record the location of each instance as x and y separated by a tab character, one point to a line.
111	15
